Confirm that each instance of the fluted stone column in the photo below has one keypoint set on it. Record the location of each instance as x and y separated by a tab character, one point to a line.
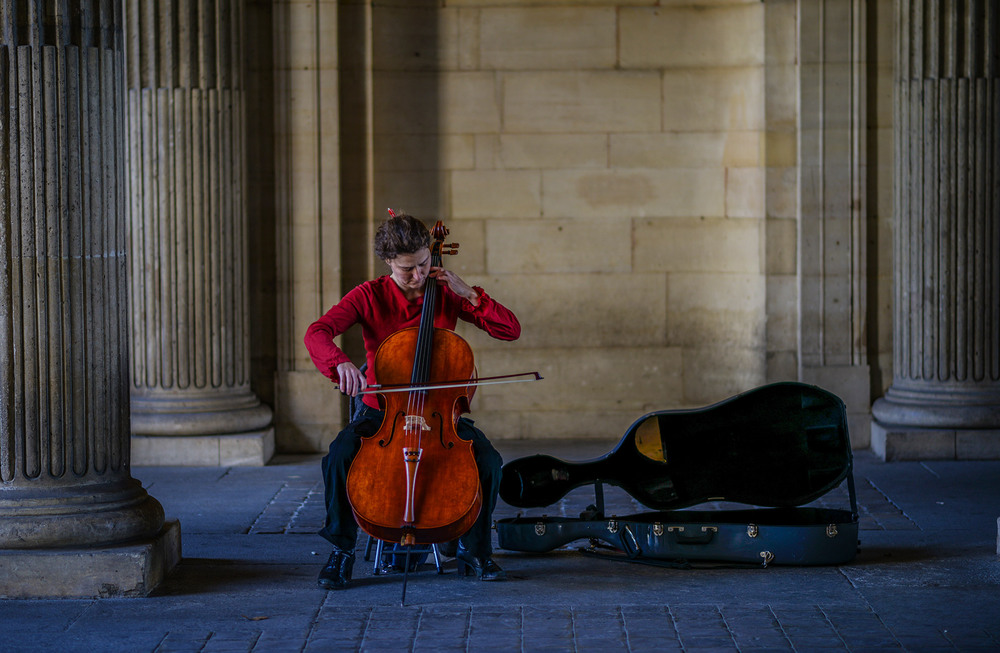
73	521
191	397
944	401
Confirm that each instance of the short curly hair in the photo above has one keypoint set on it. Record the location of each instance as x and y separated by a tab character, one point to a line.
401	234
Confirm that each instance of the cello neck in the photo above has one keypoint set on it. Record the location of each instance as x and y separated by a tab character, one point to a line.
425	334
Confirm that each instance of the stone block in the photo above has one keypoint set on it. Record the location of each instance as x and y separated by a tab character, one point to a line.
589	424
781	243
419	192
781	97
721	310
859	431
623	308
568	37
468	37
780	30
669	150
712	374
414	37
635	192
782	314
581	102
891	443
309	410
424	152
584	380
849	382
743	149
745	192
782	366
455	102
518	151
782	192
559	246
720	99
229	450
487	151
471	237
693	245
781	149
702	37
126	570
977	444
496	194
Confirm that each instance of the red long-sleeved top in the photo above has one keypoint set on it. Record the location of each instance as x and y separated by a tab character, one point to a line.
381	309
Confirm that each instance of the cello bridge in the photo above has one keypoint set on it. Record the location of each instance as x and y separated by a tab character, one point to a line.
416	423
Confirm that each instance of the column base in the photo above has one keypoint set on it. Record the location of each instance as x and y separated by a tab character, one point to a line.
891	443
252	449
125	570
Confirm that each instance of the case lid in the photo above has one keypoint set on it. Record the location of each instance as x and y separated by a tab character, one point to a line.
779	445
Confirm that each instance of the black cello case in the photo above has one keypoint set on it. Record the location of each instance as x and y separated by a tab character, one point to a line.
774	449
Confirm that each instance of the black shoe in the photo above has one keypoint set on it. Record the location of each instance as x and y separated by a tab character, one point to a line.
483	568
336	575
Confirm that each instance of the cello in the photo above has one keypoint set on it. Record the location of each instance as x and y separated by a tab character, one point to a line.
414	481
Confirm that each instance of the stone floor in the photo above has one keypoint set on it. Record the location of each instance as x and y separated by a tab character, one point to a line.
927	578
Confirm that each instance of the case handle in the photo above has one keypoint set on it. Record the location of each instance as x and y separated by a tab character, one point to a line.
682	536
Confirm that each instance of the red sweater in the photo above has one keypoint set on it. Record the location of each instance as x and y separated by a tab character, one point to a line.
381	309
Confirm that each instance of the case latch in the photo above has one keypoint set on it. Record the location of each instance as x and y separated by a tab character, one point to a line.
752	530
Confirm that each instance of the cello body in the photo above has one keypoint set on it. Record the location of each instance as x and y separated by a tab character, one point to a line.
446	493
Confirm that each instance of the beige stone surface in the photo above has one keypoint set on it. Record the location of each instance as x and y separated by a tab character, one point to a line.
620	174
713	99
552	151
977	444
569	37
686	149
624	378
895	444
581	101
408	152
634	192
714	373
496	193
241	449
697	245
745	192
128	570
692	36
559	246
553	313
715	310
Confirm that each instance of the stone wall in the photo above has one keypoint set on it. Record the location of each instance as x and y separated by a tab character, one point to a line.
624	176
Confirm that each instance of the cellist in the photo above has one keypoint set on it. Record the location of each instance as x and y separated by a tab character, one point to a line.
381	307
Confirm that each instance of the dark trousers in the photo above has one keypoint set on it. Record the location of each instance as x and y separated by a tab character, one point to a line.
342	530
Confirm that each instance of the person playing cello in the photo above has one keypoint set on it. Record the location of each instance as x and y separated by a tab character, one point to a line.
382	307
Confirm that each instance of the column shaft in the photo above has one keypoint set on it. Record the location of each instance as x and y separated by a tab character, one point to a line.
191	372
64	419
946	355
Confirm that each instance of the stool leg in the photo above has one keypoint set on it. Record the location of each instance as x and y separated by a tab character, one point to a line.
379	544
437	558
